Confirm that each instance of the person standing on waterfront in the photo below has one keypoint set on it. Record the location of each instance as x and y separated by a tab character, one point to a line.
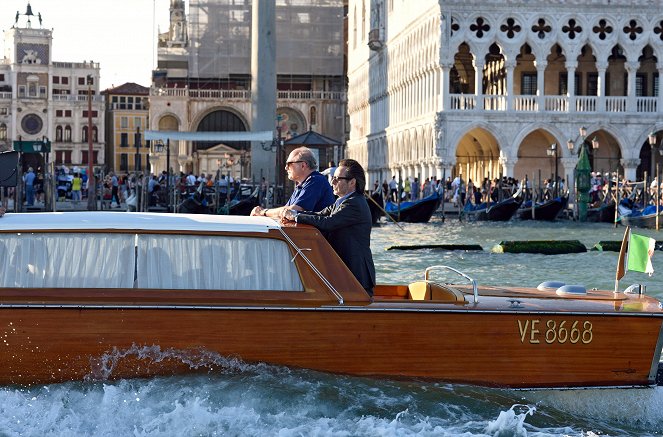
115	188
347	223
29	180
76	186
393	189
312	191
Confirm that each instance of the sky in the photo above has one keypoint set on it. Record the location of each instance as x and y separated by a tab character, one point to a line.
119	34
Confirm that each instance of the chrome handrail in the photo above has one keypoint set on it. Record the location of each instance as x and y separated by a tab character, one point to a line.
475	287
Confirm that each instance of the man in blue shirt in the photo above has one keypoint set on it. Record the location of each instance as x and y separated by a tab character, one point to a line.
29	180
312	191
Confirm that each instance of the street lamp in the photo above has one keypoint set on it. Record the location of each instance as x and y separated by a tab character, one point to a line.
159	148
553	152
582	171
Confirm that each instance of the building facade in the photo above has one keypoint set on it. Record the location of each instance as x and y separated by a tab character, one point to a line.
45	99
126	120
484	88
203	79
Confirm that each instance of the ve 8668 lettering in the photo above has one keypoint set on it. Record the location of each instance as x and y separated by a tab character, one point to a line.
536	331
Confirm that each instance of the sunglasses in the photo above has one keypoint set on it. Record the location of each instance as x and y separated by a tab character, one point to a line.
287	164
338	178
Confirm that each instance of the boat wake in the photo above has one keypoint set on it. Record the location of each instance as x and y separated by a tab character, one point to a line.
149	359
635	411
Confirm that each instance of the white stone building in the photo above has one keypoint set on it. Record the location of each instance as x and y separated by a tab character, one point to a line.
203	79
43	98
483	88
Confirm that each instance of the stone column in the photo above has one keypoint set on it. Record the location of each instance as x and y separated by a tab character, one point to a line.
659	102
631	69
478	90
630	166
444	100
510	67
601	67
571	84
263	87
541	84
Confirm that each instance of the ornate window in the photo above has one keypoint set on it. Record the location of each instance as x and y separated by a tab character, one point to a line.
572	29
633	30
511	28
67	133
3	132
480	27
58	133
541	28
603	30
658	30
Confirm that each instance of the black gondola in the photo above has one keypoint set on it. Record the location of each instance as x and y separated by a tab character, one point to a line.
640	218
604	213
494	212
374	204
419	211
548	210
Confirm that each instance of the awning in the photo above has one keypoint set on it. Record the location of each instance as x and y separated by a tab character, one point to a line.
311	138
163	135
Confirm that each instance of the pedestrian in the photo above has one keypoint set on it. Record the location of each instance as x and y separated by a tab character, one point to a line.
29	179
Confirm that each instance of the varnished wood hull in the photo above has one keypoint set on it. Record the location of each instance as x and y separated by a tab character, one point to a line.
492	349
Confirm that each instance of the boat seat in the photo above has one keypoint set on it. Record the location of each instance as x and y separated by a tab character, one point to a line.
429	290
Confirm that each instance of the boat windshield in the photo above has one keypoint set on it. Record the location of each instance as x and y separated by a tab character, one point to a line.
151	261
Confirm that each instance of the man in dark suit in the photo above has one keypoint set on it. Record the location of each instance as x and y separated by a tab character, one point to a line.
347	223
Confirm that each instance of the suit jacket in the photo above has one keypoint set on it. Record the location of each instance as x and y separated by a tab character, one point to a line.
347	227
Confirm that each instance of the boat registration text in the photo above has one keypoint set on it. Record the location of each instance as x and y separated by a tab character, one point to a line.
536	331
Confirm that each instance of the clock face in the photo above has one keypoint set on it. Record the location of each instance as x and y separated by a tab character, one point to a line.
32	124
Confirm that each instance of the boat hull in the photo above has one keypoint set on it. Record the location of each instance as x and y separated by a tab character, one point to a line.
603	214
498	212
490	349
642	221
547	211
420	211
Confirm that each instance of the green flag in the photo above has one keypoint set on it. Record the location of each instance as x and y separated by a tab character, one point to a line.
640	252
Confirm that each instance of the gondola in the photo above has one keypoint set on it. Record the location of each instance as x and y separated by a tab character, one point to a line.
495	212
419	211
375	203
640	218
547	211
605	213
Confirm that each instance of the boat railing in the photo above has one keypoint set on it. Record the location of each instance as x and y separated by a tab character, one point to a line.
322	277
475	287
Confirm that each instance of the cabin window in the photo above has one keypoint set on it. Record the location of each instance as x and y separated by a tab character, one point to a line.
189	262
178	262
65	260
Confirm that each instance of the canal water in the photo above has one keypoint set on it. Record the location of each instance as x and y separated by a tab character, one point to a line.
241	399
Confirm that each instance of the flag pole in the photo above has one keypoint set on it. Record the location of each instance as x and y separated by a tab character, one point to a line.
621	269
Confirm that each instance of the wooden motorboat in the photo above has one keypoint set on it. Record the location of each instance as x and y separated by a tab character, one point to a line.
418	211
498	211
94	296
546	211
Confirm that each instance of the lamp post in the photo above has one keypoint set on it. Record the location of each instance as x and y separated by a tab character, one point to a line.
91	187
159	148
652	144
582	171
553	152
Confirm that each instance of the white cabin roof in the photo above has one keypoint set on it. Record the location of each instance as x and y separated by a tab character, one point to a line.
99	220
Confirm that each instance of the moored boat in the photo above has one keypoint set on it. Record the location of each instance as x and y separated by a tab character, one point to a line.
604	213
640	218
498	211
418	211
191	286
546	211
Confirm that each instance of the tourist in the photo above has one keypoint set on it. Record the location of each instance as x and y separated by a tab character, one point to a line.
29	179
346	223
76	186
393	189
312	191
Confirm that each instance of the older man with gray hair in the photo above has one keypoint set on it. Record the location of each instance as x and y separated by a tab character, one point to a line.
312	191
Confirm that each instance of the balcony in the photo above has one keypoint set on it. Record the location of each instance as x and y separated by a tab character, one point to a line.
246	94
5	95
554	104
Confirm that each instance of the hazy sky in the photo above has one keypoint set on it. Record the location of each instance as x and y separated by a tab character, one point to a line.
119	34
